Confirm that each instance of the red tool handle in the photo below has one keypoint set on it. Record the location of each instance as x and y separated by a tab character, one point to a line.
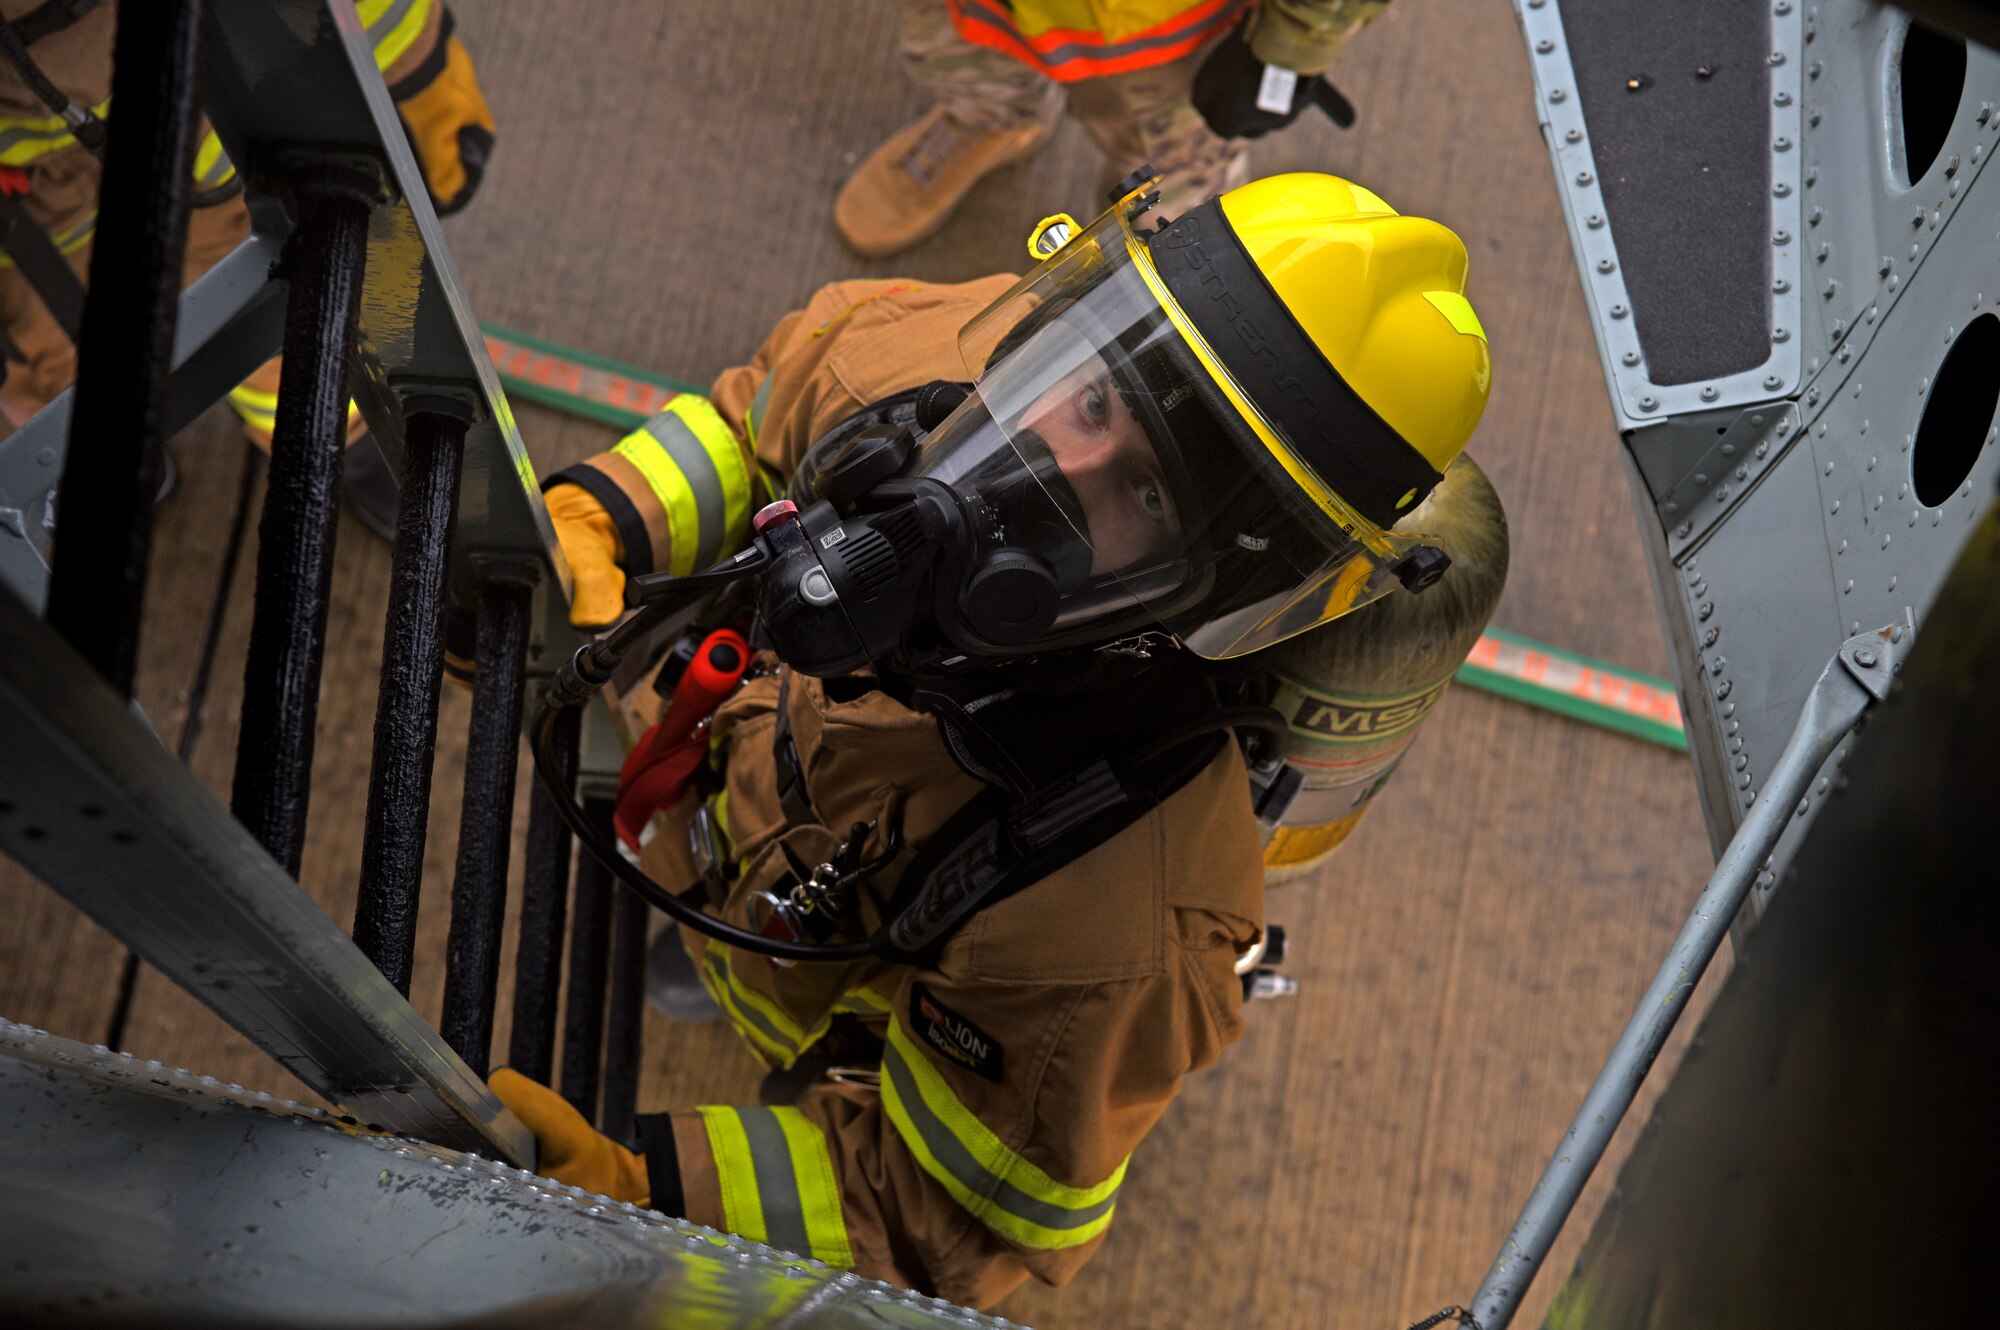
712	675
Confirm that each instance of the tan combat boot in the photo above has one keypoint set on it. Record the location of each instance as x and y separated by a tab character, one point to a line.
907	187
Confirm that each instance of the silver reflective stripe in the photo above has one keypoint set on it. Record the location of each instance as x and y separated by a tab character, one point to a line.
758	406
777	1182
673	435
12	138
390	17
971	1174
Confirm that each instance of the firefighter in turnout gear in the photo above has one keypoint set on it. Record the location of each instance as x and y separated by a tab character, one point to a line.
1176	448
54	176
1178	83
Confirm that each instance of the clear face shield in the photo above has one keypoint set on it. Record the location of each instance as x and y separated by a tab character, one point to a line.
1106	442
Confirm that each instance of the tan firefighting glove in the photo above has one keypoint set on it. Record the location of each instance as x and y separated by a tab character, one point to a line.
590	542
571	1150
449	125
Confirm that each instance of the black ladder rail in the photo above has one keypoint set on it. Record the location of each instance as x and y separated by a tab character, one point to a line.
626	1023
324	261
531	1041
118	433
406	713
583	997
486	821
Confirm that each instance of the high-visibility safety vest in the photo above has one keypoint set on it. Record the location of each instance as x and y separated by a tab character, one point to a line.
1070	40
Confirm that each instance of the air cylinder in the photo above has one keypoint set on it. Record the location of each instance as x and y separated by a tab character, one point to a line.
1354	692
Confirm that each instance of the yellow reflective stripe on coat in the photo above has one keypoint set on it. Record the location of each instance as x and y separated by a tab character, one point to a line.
256	408
758	1019
212	167
24	138
995	1185
697	472
392	25
777	1178
68	243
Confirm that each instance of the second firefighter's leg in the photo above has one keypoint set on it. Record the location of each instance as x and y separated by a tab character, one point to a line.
991	111
1147	117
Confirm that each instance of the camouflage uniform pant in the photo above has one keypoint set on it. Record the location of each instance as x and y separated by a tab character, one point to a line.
1133	118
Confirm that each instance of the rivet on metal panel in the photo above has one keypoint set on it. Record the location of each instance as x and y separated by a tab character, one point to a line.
1923	386
1848	587
1557	95
1743	473
1707	608
1757	421
1722	494
1777	57
1631	357
1812	177
1684	531
1885	540
1813	218
1619	311
1782	99
1840	549
1732	727
1846	353
1894	282
1584	177
1743	783
1648	403
1892	584
1709	637
1545	46
1823	785
1781	237
1594	222
1812	399
1729	450
1692	575
1701	477
1536	4
1773	381
1782	8
1831	290
1835	510
1780	285
1913	519
1838	329
1710	393
1804	804
1715	666
1763	447
1872	461
1812	70
1780	334
1824	253
1606	265
1781	189
1742	762
1572	136
1730	709
1670	508
1812	121
1952	189
1722	689
1902	490
1985	112
1781	143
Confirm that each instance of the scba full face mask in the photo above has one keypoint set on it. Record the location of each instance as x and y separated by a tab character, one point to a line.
1109	473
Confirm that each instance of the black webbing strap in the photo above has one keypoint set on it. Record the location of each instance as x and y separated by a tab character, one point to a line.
792	796
996	846
49	17
47	271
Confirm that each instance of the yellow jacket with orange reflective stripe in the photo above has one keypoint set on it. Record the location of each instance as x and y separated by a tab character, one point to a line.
1080	39
1002	1089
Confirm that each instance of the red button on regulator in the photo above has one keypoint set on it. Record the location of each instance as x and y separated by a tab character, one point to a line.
784	510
